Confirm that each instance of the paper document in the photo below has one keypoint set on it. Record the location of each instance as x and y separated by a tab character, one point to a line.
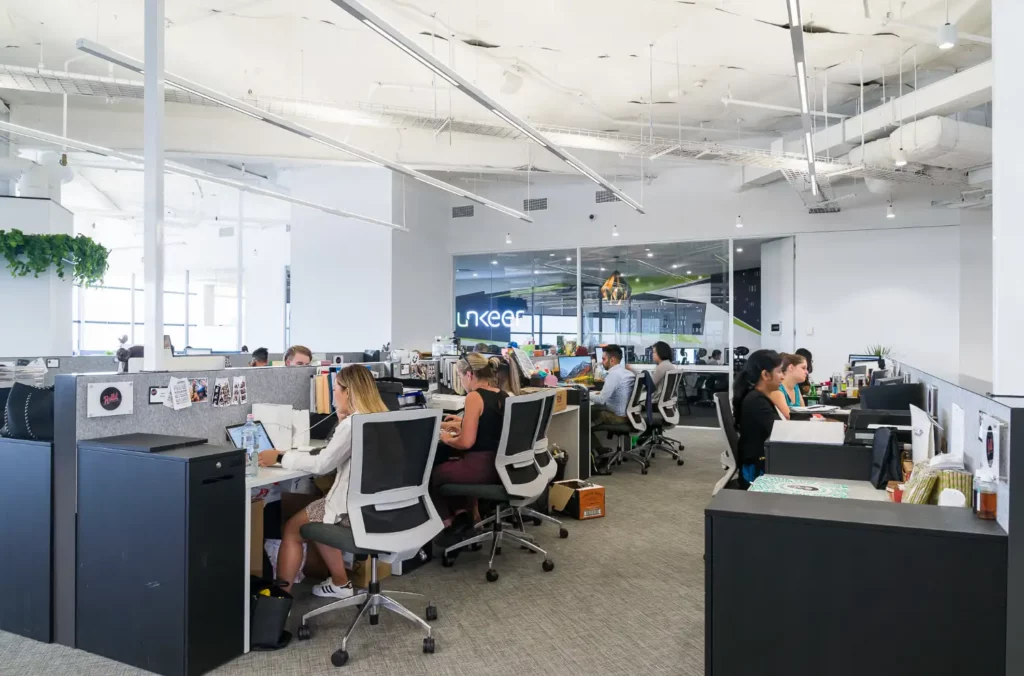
808	432
817	408
923	442
956	432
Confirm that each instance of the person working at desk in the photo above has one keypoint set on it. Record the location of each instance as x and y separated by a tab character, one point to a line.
608	407
754	412
805	386
473	440
794	373
715	359
298	355
260	357
355	392
662	355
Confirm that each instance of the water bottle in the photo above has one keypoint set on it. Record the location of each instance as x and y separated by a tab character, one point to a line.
252	465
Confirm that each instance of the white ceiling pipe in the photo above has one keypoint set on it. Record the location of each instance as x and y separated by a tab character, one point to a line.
728	100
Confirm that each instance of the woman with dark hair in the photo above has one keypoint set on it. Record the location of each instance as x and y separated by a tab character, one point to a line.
663	360
805	386
794	373
754	411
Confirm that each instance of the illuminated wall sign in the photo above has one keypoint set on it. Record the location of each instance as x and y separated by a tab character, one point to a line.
489	317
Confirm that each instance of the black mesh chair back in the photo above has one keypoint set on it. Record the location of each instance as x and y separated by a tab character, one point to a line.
515	459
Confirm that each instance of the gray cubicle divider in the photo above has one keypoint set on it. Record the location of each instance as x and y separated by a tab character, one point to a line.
67	364
71	424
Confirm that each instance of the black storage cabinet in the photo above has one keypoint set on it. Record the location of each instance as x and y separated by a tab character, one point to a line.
26	539
161	580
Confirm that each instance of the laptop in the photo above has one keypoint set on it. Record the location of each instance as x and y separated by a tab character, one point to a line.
263	442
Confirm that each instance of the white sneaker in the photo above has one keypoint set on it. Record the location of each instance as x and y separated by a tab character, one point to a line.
330	590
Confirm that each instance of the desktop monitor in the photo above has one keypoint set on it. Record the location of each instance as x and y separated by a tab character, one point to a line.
575	369
263	442
897	397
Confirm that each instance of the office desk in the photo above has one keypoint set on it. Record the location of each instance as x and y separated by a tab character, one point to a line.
797	585
841	415
824	461
857	490
266	477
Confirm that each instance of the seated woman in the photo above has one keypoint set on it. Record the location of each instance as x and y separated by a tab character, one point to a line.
473	440
355	392
507	376
754	411
794	373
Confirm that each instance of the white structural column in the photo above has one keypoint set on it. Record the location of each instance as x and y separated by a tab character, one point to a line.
153	149
1008	177
240	266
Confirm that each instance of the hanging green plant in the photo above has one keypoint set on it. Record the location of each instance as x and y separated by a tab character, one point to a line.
36	254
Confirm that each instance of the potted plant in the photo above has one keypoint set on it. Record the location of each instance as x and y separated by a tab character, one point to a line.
36	254
880	351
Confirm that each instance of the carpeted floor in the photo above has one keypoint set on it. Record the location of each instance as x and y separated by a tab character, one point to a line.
626	597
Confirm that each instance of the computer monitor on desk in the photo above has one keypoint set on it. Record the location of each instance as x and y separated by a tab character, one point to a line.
897	397
575	369
684	355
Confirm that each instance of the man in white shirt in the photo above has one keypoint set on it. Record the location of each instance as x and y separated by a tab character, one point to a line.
608	407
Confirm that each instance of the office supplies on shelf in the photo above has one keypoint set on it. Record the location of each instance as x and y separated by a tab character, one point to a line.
923	442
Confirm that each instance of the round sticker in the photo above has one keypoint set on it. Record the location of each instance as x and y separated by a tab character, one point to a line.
110	398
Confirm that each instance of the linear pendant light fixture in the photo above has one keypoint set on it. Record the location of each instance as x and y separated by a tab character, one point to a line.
796	33
183	170
125	61
395	37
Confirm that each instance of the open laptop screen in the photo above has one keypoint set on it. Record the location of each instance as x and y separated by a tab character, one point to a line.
263	442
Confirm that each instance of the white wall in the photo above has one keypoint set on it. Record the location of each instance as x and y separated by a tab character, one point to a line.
37	312
421	267
976	294
682	203
341	269
777	294
900	288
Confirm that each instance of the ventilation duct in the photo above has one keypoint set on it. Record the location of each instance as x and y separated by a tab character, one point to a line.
934	141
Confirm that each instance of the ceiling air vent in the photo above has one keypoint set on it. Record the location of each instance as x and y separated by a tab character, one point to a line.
226	231
462	212
539	204
826	209
603	196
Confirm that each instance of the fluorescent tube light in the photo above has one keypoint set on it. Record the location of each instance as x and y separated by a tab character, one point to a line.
519	127
801	81
408	51
794	13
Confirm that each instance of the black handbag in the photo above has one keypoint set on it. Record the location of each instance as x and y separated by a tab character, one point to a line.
886	463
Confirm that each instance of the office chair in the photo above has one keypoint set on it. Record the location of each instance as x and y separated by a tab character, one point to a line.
664	417
730	461
635	424
521	479
389	510
548	469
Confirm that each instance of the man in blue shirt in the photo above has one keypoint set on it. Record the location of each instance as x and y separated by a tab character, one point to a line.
609	405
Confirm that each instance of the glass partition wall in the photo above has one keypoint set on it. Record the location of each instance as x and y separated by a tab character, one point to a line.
702	298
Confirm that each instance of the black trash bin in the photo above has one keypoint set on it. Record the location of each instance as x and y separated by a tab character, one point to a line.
268	609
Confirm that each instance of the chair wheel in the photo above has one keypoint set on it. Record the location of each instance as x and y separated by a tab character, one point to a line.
304	633
339	658
548	565
563	533
431	614
498	551
492	575
447	560
643	471
428	645
476	546
679	462
374	620
537	521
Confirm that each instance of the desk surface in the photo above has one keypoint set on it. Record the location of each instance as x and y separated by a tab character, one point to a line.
272	475
954	521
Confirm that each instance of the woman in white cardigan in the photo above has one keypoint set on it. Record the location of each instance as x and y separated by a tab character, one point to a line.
355	391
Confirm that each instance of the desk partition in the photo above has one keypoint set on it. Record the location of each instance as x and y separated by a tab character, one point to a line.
72	423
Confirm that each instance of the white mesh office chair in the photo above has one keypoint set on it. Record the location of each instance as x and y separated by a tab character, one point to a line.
664	417
389	510
548	469
521	480
635	424
730	463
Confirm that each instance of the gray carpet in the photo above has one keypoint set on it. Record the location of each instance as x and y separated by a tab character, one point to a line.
626	597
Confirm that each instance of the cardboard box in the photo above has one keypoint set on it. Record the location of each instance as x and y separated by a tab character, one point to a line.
579	499
561	399
256	539
360	574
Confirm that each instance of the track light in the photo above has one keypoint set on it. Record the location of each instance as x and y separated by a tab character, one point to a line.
508	238
615	231
494	262
739	221
689	272
890	212
650	255
739	250
899	157
196	89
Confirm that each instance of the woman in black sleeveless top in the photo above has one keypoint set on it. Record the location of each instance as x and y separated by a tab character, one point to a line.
472	440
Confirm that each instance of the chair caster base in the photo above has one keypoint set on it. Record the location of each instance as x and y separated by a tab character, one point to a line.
431	614
492	575
680	462
537	521
548	565
643	471
374	620
447	560
428	645
339	658
304	633
563	533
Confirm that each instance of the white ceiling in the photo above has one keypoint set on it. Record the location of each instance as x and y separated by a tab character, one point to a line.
582	64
